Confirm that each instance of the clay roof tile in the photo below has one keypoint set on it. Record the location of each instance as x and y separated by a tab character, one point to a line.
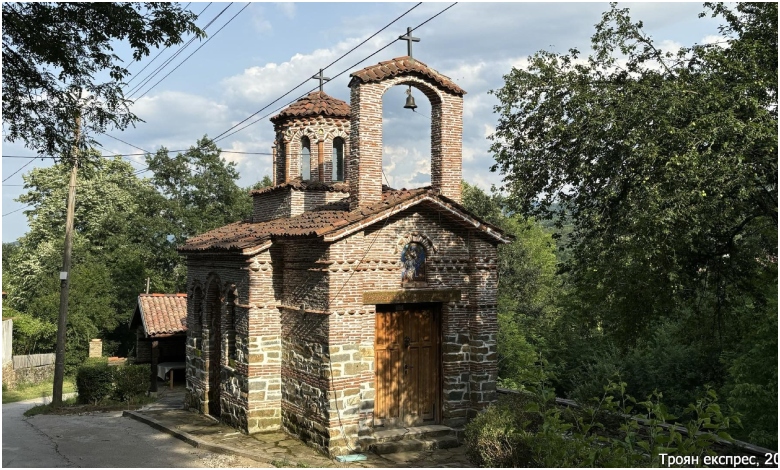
314	104
401	65
163	314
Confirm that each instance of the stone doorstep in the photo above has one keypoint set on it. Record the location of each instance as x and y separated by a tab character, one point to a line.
415	445
412	439
414	432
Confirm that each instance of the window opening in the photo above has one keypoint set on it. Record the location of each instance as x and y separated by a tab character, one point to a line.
305	158
338	159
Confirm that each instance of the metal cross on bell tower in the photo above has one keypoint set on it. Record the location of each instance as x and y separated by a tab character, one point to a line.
409	40
320	78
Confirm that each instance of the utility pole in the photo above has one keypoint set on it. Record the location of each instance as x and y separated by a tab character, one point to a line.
59	359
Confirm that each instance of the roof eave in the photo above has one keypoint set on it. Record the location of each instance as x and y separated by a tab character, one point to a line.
483	227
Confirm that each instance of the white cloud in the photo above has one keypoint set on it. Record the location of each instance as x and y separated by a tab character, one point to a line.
261	84
288	9
175	119
667	45
721	41
406	168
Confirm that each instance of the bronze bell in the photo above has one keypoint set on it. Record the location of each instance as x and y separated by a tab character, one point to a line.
410	100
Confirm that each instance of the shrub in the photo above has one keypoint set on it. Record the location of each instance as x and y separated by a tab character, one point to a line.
535	432
94	381
131	381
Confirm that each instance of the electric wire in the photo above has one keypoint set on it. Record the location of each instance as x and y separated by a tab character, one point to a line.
168	61
224	135
220	136
196	50
17	210
111	155
17	171
158	54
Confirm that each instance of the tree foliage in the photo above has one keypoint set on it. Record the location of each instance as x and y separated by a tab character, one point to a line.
52	51
664	163
126	231
199	189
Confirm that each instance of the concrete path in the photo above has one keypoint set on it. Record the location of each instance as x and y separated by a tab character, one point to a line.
96	440
276	449
187	440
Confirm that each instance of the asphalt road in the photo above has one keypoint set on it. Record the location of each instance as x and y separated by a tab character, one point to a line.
96	440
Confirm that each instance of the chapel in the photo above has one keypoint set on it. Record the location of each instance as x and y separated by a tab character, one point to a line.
344	308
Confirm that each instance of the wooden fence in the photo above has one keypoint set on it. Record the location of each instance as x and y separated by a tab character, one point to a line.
33	360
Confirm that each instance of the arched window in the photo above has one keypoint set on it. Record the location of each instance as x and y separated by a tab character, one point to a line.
305	158
413	265
338	159
231	300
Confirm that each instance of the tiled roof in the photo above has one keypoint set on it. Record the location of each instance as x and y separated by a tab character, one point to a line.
403	65
324	220
301	185
162	314
317	103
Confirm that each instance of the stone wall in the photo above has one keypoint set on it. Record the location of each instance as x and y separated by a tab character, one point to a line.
34	375
215	279
328	344
9	377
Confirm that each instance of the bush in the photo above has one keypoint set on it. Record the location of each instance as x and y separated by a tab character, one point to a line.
535	432
94	381
97	382
131	381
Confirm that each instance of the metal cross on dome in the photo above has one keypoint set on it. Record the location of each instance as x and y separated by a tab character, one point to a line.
409	40
320	78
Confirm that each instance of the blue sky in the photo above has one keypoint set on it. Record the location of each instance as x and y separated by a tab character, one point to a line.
271	47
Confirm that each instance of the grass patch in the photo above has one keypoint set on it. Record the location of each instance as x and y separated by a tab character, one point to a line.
71	407
28	391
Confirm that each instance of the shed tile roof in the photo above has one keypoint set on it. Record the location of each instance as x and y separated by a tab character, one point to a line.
404	65
317	103
324	220
308	185
162	314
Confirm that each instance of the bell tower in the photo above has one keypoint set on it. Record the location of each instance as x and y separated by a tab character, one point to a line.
367	87
312	138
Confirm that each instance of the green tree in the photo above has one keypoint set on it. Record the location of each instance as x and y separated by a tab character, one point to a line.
200	190
665	165
528	288
51	50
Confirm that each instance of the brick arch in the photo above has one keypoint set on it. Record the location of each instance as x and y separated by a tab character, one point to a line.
416	237
365	149
213	301
434	94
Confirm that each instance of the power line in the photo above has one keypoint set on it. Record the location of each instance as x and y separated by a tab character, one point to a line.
111	155
17	210
222	135
196	50
159	68
17	171
158	54
126	143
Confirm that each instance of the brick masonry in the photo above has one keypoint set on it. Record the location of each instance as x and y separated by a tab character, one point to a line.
280	335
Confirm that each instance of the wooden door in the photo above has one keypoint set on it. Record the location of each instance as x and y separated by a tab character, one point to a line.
407	366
